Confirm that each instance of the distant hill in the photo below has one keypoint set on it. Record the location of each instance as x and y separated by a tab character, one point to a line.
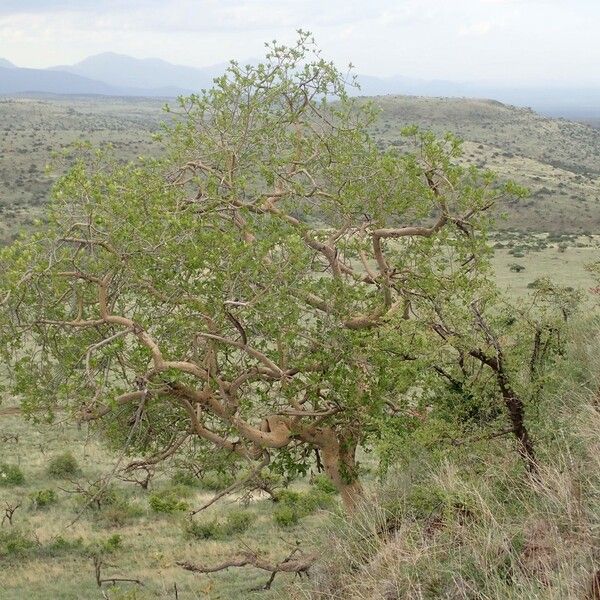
121	75
124	71
15	80
573	103
558	160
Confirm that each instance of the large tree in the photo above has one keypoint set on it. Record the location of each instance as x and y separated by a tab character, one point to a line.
259	287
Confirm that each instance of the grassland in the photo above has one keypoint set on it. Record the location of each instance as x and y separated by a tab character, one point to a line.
151	543
56	559
558	160
53	559
33	130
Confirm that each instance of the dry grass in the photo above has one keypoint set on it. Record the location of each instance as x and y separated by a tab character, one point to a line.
152	543
483	532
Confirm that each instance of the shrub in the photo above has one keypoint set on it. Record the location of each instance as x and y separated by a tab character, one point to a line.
314	500
119	513
516	268
63	466
43	498
15	543
98	495
235	523
60	545
292	505
288	497
10	475
167	501
203	530
324	484
185	478
285	515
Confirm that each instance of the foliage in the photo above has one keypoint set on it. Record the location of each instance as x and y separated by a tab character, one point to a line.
216	481
167	501
292	506
323	484
470	522
10	475
43	498
63	466
15	543
185	477
258	285
235	523
285	515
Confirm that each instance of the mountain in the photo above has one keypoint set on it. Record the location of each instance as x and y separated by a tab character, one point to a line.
14	80
121	75
144	74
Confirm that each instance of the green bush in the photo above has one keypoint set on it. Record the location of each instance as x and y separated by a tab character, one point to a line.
10	475
15	543
63	466
185	478
314	500
324	484
292	505
60	546
98	495
167	501
288	497
43	498
203	530
285	515
235	523
119	513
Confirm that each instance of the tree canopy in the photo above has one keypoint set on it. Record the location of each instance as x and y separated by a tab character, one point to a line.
275	283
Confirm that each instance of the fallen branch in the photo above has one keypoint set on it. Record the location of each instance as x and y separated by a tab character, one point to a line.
299	564
98	564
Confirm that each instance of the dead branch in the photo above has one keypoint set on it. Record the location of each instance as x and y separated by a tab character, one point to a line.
295	562
98	564
9	511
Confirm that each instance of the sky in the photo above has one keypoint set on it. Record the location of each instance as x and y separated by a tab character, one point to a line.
497	41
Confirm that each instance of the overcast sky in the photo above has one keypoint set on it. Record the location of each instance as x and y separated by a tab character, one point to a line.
507	41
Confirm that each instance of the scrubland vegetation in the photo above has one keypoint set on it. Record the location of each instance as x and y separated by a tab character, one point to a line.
291	354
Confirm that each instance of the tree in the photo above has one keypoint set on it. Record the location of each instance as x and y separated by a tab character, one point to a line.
517	343
259	289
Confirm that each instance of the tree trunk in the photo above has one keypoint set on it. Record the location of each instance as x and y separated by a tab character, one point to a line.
339	462
515	406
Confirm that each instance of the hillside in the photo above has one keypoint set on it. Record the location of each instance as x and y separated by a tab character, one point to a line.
32	130
557	159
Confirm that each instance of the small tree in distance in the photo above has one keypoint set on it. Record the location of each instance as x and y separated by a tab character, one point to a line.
259	288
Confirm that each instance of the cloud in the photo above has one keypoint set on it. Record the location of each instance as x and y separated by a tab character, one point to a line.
476	29
507	40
